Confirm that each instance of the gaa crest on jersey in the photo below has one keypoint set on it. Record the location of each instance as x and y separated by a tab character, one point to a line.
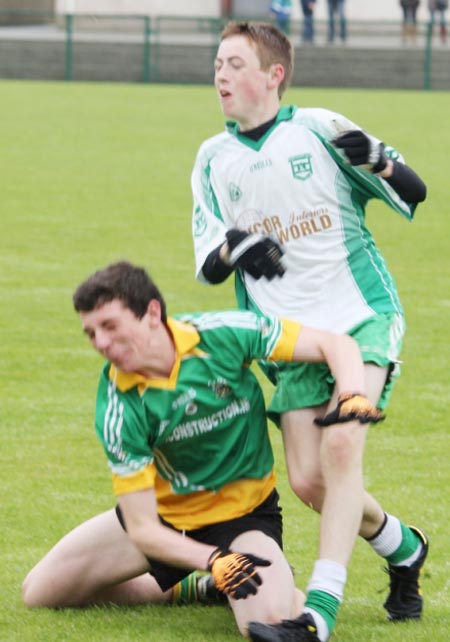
221	388
301	166
234	192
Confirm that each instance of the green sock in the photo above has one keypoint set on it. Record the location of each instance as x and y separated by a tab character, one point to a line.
409	545
325	605
185	592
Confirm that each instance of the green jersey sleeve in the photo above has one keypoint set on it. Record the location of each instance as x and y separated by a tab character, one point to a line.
239	337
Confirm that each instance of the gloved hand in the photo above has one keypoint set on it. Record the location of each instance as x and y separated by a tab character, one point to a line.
362	149
258	255
352	406
235	573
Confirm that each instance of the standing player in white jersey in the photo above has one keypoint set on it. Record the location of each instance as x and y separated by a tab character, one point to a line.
279	198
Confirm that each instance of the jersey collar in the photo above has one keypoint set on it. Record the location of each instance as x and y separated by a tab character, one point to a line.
285	113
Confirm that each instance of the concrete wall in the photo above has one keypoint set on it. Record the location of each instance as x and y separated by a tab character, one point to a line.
396	68
32	11
27	5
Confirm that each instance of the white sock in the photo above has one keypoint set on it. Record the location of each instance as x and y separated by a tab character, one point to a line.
389	539
322	629
330	577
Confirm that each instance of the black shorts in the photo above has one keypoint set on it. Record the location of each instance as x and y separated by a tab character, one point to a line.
266	518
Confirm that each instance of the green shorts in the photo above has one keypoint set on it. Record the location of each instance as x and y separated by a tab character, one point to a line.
302	385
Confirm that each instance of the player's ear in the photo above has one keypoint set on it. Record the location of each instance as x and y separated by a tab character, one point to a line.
276	75
154	312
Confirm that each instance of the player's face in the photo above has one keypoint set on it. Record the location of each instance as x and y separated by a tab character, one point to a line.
120	336
241	84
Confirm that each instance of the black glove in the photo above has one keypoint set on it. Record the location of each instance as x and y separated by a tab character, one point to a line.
235	573
351	406
258	255
362	149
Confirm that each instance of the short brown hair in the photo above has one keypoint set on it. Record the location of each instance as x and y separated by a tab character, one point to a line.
122	281
272	46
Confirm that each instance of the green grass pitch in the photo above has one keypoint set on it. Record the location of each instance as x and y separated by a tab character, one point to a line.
94	173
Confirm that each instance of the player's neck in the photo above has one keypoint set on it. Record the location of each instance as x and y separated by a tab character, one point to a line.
259	116
159	364
258	132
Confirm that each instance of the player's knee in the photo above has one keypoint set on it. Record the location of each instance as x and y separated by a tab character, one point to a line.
309	490
341	450
33	593
28	592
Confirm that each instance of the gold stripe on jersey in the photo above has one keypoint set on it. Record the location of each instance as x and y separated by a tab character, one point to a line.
195	510
284	348
142	480
205	507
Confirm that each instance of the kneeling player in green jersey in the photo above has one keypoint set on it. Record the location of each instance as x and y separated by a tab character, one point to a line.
280	199
182	420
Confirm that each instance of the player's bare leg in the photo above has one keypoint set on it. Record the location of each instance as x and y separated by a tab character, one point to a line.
302	443
314	464
94	563
267	605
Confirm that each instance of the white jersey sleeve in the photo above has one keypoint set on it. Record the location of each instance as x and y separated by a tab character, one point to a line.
328	125
208	226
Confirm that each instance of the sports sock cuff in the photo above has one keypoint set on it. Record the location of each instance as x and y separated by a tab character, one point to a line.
389	537
370	539
328	577
176	593
185	592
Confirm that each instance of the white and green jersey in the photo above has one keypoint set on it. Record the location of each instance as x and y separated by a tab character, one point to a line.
204	427
294	185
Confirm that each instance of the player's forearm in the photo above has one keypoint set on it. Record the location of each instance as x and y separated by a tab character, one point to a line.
156	541
344	360
216	268
408	185
340	352
161	543
363	150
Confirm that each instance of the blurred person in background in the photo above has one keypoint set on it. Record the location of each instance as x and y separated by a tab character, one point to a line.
440	7
308	32
281	10
336	13
409	26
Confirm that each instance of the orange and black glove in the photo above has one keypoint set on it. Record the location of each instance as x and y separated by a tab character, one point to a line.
235	573
352	406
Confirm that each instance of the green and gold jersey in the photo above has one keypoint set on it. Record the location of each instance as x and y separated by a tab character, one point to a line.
199	437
